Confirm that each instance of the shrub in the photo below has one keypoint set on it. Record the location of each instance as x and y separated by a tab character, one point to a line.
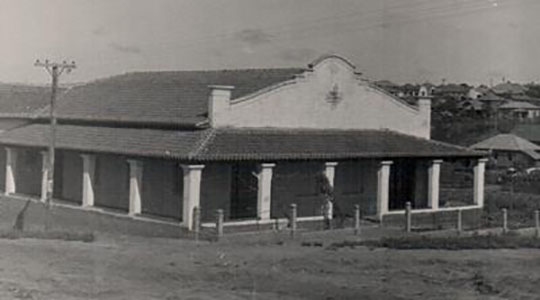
510	241
520	207
49	235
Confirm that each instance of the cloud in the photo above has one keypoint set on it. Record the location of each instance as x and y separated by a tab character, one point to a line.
99	31
253	37
297	55
125	48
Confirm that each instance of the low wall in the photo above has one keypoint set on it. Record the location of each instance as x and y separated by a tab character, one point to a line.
66	218
444	219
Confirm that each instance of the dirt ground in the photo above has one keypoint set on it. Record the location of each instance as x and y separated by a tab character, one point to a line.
259	266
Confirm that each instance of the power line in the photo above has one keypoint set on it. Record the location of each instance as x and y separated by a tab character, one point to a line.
317	21
423	16
441	10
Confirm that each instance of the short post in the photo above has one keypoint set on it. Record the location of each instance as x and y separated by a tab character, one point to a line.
505	220
408	216
219	223
292	220
196	221
459	221
537	223
356	219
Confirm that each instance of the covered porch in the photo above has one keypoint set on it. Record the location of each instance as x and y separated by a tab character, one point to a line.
252	175
247	192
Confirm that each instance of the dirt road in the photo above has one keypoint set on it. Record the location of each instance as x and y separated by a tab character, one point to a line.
254	268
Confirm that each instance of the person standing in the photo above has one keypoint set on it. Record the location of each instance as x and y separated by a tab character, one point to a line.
327	211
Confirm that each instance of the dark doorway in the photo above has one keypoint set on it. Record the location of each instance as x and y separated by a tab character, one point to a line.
244	187
402	184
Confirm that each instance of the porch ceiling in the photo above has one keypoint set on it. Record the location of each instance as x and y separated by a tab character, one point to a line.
237	144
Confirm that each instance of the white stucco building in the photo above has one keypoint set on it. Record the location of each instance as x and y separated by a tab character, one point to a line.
250	142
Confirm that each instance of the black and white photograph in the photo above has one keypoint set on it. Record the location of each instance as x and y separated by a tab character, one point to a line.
269	149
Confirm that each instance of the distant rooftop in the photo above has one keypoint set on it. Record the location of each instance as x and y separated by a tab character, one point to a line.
505	142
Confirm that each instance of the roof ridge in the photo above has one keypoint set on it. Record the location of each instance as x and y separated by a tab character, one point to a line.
114	76
207	136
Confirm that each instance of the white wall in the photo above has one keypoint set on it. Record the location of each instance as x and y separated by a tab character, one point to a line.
304	103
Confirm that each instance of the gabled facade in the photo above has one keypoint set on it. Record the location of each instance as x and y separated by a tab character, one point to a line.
248	142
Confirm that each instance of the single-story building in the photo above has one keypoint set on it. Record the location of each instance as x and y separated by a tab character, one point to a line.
510	150
520	110
250	142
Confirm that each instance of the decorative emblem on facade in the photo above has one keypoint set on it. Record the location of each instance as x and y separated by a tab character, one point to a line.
334	96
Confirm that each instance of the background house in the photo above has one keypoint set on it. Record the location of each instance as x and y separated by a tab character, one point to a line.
509	150
519	110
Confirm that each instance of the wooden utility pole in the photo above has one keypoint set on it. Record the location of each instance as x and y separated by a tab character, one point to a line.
55	70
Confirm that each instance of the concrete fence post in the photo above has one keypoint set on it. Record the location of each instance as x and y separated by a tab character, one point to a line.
293	219
537	223
459	221
505	220
219	223
357	219
408	216
196	221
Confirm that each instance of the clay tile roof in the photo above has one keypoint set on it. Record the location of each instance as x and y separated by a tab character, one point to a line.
127	141
508	142
178	98
509	88
490	96
236	144
518	105
22	100
261	144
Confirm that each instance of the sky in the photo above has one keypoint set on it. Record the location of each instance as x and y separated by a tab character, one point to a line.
474	41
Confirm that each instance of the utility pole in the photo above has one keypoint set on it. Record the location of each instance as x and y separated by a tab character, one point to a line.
55	70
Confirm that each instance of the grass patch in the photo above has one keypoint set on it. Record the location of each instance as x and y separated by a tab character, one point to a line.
520	207
48	235
510	241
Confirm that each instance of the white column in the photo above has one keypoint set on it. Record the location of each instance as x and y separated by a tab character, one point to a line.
330	173
383	188
479	170
135	186
44	174
192	193
89	167
434	176
264	191
11	170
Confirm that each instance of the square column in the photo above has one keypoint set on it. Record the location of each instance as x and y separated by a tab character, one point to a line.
383	188
135	186
264	191
479	176
44	175
330	173
89	167
192	193
434	177
11	170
